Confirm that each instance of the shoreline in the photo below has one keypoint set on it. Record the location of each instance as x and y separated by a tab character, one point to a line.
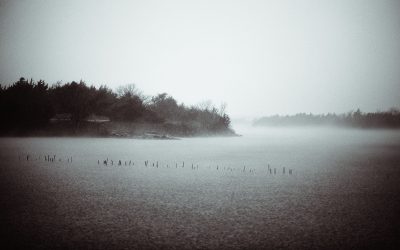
136	137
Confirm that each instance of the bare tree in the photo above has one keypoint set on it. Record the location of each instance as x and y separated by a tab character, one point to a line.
129	90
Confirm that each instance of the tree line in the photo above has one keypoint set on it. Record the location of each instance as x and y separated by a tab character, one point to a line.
27	105
357	119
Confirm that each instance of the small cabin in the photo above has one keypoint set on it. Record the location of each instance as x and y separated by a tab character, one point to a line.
97	118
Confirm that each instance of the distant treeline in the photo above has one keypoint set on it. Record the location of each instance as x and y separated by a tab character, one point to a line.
357	119
29	106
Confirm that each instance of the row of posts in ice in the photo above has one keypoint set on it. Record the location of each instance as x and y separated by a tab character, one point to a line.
270	170
110	162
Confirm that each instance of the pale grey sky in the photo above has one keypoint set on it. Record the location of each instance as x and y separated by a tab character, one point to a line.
260	57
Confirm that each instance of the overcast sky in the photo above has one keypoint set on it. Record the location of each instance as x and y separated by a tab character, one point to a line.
260	57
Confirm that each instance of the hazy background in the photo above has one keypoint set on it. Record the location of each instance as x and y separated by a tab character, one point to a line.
260	57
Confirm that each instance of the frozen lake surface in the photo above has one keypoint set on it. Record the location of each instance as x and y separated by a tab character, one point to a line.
343	192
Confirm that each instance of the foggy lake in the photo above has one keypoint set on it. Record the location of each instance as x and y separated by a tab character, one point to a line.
208	193
200	124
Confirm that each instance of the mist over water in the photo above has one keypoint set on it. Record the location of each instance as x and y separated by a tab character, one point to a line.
343	191
309	62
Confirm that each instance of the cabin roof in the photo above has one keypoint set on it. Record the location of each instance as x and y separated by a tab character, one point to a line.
97	118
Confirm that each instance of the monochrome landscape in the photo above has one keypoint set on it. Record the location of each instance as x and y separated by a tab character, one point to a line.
200	124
